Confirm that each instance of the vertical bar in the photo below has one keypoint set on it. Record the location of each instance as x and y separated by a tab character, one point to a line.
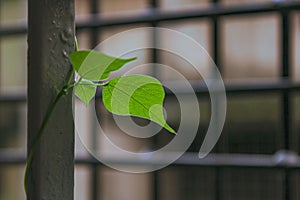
95	182
215	37
216	58
94	5
1	2
95	187
285	74
285	65
154	57
155	38
50	41
155	184
94	8
154	3
1	173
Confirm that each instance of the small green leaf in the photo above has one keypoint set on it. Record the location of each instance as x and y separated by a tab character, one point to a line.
136	95
85	90
94	65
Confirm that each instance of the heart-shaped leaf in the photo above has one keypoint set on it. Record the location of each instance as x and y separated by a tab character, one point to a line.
85	90
136	95
94	65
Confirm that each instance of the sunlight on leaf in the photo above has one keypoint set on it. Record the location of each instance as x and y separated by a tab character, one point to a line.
85	90
94	65
136	95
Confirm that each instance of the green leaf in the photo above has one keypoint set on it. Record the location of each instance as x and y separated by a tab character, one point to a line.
94	65
136	95
85	90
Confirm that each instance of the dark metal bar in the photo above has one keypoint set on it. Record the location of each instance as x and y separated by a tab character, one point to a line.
12	157
155	185
94	167
286	117
155	40
286	184
154	3
20	98
94	181
0	51
155	15
285	66
154	59
13	31
215	37
152	15
283	85
276	161
94	32
94	5
285	43
232	89
50	40
216	46
200	88
215	42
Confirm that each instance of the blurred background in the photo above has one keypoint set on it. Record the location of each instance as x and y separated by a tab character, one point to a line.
256	46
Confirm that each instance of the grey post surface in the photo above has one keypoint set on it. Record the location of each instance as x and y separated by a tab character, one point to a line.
50	41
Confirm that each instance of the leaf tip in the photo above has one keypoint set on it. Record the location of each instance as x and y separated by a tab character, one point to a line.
170	129
132	59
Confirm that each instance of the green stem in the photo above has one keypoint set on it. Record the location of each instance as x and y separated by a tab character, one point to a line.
80	82
39	135
72	71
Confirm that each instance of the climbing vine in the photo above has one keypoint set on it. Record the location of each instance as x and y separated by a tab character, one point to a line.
133	95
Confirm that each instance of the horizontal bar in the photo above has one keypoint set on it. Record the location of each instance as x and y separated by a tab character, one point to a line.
236	88
280	160
13	98
12	156
156	15
262	86
200	88
14	30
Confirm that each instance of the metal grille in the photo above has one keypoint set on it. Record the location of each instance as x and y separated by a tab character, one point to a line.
227	173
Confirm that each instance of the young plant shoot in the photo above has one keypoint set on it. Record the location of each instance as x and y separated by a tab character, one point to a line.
133	95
